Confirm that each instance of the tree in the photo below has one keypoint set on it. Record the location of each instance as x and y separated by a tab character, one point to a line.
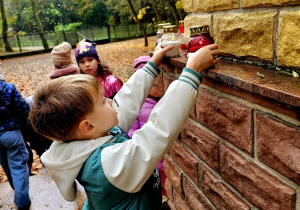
8	48
136	19
39	25
158	15
173	9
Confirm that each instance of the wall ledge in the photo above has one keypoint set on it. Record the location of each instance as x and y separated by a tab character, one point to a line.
282	88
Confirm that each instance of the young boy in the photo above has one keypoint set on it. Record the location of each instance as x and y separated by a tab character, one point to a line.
116	173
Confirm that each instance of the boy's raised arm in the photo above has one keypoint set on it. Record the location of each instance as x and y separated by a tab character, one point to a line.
129	100
138	157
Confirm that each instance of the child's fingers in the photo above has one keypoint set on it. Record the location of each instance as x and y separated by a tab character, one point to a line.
213	46
168	48
216	60
158	47
215	52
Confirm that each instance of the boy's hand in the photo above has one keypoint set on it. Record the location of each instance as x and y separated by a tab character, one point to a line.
159	53
203	58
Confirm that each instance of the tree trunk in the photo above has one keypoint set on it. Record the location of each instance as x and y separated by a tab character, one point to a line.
141	26
8	48
158	15
181	14
173	9
39	25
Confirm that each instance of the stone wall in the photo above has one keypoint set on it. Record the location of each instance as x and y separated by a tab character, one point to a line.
240	147
259	30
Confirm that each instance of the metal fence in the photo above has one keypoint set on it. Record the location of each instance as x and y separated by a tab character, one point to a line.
33	41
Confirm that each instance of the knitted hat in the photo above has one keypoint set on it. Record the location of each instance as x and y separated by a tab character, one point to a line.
86	48
61	57
141	62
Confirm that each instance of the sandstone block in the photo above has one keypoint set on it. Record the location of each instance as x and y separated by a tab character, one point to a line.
179	203
246	34
193	197
205	146
258	186
267	3
227	118
187	162
218	193
194	20
167	80
210	5
278	146
173	174
159	85
169	189
289	39
188	5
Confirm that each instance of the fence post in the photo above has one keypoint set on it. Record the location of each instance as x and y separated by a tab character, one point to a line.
92	34
108	32
19	44
128	30
65	38
76	35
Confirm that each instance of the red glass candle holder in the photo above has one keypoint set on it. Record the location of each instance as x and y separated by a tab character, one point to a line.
199	38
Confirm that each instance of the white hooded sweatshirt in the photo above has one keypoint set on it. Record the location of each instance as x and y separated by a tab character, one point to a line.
128	165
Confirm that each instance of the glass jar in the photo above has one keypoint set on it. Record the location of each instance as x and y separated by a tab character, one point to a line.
181	27
200	37
182	48
171	37
160	31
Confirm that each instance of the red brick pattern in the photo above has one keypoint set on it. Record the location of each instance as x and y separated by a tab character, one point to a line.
179	203
221	134
167	80
258	186
173	174
205	146
227	118
186	160
218	193
278	145
194	198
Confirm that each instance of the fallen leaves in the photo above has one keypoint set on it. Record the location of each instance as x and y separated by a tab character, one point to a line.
27	73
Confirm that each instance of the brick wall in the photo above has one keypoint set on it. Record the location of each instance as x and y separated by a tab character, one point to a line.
240	147
237	150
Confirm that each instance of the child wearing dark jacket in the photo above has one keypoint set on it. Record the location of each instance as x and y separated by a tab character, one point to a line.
89	145
13	152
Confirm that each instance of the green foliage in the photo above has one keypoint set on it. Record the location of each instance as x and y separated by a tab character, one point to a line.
69	27
91	13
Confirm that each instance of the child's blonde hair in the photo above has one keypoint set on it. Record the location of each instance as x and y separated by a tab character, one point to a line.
61	103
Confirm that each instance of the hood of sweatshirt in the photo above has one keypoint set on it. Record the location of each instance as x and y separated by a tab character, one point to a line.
64	161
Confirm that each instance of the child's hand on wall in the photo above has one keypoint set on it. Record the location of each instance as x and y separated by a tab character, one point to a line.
203	58
159	53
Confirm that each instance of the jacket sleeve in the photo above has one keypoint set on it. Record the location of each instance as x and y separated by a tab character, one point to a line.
129	100
128	165
21	107
135	126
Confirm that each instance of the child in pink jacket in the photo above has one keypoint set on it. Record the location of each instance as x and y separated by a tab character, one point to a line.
144	114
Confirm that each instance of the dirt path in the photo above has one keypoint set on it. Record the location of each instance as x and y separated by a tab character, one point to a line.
31	71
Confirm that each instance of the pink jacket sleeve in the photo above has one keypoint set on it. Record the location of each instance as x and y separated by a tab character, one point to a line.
111	85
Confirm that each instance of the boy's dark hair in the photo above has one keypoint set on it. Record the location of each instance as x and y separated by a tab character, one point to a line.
61	103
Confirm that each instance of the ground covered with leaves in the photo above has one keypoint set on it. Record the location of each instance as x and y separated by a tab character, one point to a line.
27	73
